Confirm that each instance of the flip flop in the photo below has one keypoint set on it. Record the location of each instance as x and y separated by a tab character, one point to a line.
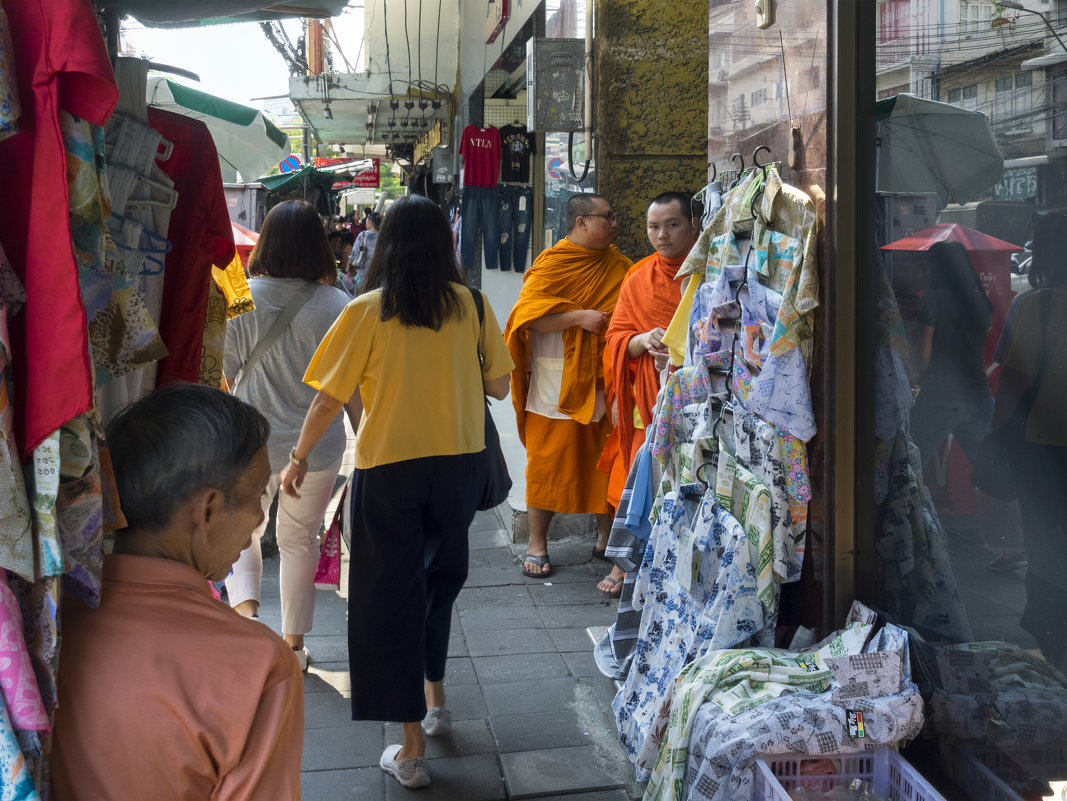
614	584
537	560
601	555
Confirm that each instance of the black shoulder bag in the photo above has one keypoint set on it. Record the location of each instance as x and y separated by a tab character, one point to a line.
497	480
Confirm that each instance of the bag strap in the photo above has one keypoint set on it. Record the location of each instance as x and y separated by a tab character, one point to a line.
479	305
281	322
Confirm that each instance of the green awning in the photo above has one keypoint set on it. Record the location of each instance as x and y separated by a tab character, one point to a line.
247	142
225	110
291	180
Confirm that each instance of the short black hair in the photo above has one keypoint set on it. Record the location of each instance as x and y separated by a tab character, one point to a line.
179	440
690	208
579	205
346	236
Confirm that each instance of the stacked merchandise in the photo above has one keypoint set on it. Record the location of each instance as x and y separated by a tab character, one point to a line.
111	229
500	211
723	481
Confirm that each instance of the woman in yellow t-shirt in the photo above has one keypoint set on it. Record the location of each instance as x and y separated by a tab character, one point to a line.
403	358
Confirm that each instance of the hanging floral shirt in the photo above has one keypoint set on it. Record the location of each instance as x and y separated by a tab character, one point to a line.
697	592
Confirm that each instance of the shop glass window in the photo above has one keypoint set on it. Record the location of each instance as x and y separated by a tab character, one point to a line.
980	580
566	170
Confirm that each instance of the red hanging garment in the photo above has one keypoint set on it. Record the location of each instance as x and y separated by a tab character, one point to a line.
200	236
61	63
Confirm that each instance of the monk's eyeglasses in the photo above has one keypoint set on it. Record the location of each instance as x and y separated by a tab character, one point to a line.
609	214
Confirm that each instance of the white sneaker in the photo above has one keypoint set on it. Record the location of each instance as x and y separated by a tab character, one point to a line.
437	721
303	657
412	773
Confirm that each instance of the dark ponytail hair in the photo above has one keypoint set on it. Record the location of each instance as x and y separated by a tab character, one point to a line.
1048	268
952	270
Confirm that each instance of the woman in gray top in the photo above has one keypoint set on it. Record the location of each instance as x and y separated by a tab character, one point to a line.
365	244
292	253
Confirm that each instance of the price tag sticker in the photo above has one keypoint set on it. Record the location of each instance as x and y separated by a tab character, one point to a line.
855	723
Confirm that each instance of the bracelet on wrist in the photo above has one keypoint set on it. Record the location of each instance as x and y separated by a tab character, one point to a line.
294	460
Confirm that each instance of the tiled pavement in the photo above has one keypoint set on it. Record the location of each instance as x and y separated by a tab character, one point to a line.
531	712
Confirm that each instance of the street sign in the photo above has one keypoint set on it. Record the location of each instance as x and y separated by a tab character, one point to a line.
289	164
370	177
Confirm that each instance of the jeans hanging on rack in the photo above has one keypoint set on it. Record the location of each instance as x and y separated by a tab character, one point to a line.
515	216
480	206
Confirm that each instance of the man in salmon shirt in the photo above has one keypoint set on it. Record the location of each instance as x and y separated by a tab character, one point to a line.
556	338
165	692
635	353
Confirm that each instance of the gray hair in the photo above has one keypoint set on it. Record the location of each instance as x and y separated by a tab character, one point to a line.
177	441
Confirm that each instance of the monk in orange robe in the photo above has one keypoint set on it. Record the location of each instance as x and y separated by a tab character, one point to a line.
635	353
556	338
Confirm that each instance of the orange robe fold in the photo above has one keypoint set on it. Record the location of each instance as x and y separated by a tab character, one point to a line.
565	277
561	455
648	299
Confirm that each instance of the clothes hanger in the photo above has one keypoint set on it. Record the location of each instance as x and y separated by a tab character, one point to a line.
171	196
763	168
155	260
154	238
741	169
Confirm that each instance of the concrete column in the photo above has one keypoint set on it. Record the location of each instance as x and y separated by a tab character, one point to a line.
651	105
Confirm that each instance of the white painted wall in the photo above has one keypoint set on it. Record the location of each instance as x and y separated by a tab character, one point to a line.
476	57
437	47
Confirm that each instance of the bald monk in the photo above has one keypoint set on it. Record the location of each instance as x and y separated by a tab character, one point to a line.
556	338
635	352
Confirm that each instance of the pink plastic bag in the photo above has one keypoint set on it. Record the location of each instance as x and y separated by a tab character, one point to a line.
328	571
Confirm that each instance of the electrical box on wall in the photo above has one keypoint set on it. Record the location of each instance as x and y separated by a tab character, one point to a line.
555	84
444	165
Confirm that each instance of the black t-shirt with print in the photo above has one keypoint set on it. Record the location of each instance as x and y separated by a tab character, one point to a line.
518	145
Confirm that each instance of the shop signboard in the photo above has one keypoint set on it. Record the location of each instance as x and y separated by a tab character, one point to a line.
369	178
497	14
427	142
1017	183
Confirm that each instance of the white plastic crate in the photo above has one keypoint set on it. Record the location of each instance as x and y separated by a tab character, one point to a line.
975	768
889	773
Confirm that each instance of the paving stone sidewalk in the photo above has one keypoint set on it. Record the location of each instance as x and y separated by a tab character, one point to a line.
531	713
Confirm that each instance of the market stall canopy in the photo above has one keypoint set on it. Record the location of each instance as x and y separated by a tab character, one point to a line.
290	180
927	146
193	13
248	143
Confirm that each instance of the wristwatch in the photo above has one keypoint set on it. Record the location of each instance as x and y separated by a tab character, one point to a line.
293	460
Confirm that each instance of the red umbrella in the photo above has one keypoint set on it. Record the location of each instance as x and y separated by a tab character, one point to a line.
974	241
989	256
244	240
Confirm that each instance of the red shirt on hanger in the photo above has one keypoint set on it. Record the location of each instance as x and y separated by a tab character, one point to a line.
481	151
61	63
200	235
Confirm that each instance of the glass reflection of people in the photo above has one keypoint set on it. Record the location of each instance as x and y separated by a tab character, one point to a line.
954	318
1042	469
954	395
